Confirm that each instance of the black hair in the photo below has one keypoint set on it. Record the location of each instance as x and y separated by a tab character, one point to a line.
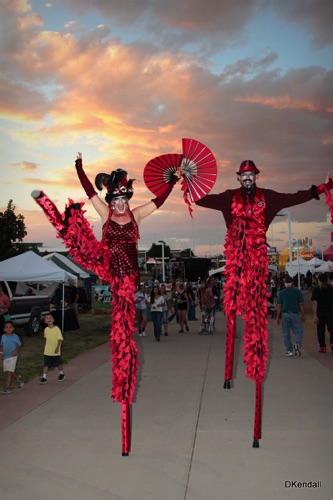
152	295
51	313
8	321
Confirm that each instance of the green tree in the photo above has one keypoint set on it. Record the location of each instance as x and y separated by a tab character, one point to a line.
12	232
186	253
156	250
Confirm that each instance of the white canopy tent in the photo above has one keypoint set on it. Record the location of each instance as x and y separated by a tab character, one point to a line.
29	267
66	264
215	271
271	267
325	267
301	266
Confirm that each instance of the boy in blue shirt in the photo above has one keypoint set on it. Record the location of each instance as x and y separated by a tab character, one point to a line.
9	349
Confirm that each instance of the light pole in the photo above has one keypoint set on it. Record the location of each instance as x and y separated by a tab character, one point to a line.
287	212
192	238
282	213
163	266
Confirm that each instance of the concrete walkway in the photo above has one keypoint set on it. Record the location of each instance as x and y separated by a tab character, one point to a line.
191	439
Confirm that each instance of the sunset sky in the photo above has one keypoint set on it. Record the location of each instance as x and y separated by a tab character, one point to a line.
125	81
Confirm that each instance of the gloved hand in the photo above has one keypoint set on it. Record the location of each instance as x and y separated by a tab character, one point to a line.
328	185
86	184
159	200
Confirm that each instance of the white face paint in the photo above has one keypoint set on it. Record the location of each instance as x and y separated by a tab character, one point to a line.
120	205
247	180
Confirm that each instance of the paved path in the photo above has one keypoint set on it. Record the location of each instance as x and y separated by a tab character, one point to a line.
192	440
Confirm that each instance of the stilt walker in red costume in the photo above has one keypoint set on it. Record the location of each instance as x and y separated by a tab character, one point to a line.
248	212
115	260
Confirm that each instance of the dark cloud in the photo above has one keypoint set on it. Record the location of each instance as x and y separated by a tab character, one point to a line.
213	22
315	16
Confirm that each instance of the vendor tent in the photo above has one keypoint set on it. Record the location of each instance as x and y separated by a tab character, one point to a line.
301	266
66	264
328	253
215	271
315	262
29	267
271	267
326	267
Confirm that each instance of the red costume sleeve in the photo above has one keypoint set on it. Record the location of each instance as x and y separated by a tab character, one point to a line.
86	184
159	200
275	201
328	185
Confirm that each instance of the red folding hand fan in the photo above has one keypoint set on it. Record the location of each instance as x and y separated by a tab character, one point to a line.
198	164
200	168
159	171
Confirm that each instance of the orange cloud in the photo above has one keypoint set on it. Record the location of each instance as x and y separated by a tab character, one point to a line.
278	102
28	166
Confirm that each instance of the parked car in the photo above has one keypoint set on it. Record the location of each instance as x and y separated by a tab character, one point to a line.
27	310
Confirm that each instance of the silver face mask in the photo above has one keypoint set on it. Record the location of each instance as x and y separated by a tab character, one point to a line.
120	205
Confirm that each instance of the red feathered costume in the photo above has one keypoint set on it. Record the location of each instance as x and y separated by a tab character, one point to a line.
247	216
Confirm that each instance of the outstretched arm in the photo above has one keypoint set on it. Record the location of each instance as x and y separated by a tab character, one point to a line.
150	207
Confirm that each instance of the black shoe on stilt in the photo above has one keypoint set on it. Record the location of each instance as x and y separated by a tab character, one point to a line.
226	384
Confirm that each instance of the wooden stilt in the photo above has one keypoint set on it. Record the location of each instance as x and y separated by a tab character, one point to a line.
126	428
257	417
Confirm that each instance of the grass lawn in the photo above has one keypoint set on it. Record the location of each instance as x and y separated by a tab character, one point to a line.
94	330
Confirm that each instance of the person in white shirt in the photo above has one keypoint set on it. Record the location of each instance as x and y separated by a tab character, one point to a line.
141	310
156	304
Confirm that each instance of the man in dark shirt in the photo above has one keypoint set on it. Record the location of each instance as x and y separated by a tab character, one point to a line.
322	306
290	304
248	212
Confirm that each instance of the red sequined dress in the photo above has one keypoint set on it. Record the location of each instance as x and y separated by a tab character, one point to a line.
115	260
122	244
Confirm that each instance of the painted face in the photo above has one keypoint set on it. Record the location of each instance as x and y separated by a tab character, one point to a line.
120	204
247	180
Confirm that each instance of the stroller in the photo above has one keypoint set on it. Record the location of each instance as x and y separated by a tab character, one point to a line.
207	322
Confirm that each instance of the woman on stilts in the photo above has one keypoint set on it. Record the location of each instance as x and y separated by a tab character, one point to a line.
115	260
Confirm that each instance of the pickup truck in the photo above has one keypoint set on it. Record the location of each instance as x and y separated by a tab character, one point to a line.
27	310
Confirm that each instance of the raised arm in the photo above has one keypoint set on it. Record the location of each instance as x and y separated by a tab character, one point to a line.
101	208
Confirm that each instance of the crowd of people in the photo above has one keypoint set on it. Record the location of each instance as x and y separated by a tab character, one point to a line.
184	303
180	301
